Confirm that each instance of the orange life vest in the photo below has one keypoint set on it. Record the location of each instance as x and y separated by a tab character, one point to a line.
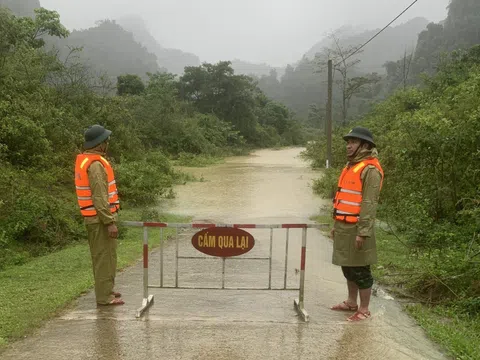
82	185
348	199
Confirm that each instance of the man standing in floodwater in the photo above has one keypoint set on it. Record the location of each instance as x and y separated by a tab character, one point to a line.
355	207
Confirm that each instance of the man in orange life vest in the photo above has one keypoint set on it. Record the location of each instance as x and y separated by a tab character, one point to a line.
99	204
355	206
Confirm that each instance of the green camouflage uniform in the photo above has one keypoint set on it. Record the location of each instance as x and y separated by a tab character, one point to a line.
102	248
356	263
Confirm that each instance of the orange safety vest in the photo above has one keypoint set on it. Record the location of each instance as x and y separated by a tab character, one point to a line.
348	199
82	185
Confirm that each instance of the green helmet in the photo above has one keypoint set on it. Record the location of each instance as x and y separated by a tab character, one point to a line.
360	133
95	135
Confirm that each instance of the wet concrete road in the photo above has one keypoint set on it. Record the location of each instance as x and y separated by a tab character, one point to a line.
269	187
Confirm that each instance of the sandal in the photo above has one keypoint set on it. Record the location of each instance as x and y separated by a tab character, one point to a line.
344	307
116	294
359	316
115	301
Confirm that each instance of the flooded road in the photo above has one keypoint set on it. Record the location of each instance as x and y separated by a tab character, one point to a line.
268	187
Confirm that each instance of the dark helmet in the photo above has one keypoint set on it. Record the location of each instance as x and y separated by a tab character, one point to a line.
95	135
360	133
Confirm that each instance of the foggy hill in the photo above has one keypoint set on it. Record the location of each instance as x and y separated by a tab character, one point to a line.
108	48
389	45
173	60
21	7
301	85
460	30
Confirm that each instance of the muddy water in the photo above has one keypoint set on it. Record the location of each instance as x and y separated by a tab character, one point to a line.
267	187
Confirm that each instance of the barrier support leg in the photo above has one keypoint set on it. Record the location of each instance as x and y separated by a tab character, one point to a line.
299	303
147	299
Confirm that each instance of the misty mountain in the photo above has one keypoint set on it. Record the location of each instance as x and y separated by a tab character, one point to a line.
460	30
21	7
303	89
173	60
106	48
110	49
390	45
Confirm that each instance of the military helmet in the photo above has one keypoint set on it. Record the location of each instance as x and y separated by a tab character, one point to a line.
95	135
360	133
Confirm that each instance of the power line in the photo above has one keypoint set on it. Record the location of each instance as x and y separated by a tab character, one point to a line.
348	57
254	68
378	33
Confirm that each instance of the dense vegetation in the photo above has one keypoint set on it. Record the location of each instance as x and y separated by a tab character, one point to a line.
46	104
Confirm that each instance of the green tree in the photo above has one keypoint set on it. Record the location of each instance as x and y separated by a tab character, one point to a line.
25	31
130	85
276	115
45	22
216	89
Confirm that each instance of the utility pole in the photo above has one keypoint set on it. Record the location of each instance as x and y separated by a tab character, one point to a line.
329	114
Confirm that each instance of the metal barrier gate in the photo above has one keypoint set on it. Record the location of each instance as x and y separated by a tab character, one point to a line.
148	299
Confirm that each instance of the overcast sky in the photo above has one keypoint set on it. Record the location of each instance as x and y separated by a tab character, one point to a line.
276	32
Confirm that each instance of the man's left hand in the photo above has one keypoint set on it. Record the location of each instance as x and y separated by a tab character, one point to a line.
112	231
359	241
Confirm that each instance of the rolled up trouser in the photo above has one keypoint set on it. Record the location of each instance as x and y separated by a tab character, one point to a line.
103	250
360	275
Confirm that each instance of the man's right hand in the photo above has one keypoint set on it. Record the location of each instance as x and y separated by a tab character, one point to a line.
112	231
332	233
